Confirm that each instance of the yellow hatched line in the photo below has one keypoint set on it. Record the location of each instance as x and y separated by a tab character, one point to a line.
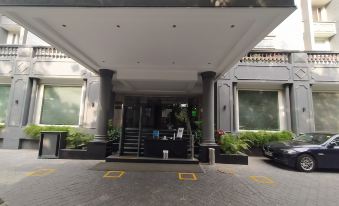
262	180
193	177
228	171
114	174
40	172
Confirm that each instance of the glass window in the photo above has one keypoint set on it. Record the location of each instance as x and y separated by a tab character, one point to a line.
326	111
313	138
61	105
4	96
336	140
258	110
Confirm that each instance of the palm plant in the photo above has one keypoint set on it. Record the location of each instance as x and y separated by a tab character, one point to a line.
231	144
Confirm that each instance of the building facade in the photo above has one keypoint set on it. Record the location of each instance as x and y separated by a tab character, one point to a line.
289	81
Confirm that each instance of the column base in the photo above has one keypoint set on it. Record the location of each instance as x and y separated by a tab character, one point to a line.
97	150
203	151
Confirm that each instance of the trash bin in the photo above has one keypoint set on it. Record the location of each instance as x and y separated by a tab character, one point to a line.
51	143
165	154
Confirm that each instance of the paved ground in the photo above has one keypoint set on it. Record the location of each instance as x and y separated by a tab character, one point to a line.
69	182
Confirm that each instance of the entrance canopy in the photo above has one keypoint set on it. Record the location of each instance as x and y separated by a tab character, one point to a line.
154	46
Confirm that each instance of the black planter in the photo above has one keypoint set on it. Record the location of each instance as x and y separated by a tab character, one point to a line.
1	142
254	151
115	147
28	143
240	158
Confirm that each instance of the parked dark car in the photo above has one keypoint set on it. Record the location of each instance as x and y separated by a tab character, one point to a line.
306	152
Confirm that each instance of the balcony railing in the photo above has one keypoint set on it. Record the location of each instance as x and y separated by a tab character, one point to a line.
48	53
266	57
324	29
8	51
323	58
259	57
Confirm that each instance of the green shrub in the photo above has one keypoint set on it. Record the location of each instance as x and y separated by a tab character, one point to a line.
2	126
33	131
258	139
232	144
75	137
113	132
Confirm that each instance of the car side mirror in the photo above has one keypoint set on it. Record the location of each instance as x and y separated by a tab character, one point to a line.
331	145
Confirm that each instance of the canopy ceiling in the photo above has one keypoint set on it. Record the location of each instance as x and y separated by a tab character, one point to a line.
152	49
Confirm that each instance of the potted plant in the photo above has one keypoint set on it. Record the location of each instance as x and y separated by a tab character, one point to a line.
114	136
232	150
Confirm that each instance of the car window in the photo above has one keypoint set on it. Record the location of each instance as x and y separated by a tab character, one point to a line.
336	140
314	138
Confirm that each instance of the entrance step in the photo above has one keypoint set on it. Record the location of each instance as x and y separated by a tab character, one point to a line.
116	158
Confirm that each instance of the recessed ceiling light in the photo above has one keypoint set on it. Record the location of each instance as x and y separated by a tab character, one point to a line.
232	26
64	25
174	26
118	26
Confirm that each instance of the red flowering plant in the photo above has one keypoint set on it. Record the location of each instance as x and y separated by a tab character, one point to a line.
218	134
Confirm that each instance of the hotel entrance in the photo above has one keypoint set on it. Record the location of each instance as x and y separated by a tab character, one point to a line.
159	127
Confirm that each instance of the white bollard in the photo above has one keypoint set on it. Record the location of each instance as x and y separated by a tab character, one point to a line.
211	155
165	154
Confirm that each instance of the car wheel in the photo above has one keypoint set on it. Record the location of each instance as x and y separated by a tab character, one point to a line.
305	163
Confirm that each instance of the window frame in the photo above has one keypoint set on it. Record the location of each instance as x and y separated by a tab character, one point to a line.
9	99
40	97
313	108
281	109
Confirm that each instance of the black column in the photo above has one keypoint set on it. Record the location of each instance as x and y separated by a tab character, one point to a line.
208	140
104	104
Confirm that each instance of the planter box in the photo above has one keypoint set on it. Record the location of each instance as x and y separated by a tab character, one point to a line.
73	154
241	159
115	147
254	151
28	144
50	144
196	149
1	142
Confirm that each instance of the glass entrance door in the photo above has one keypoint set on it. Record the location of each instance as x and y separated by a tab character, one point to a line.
144	115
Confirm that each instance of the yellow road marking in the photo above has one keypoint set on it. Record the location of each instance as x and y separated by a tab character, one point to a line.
113	174
40	172
262	180
187	176
228	171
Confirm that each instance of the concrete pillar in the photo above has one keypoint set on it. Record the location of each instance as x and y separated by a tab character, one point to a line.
104	104
208	108
32	100
235	108
288	107
208	140
83	102
306	8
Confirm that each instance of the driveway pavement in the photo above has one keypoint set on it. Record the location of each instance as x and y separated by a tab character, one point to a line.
26	180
